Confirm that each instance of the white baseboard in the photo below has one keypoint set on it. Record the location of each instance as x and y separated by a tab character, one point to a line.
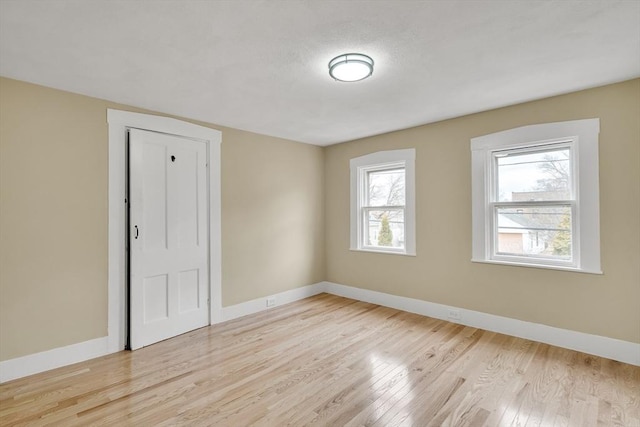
611	348
51	359
39	362
260	304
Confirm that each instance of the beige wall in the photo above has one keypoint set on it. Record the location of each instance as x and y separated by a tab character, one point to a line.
272	215
276	197
607	305
53	217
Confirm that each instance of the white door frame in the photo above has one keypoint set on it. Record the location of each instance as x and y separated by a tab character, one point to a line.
119	122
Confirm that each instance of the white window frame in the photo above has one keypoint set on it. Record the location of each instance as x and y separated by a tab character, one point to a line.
582	137
382	160
493	204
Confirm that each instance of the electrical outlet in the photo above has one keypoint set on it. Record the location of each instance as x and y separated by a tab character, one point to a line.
271	302
454	314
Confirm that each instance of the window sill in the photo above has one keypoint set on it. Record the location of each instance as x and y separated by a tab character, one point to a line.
382	252
543	266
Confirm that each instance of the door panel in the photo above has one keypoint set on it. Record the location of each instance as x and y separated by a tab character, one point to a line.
169	251
187	204
156	297
154	179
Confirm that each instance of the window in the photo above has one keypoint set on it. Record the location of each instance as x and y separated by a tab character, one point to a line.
535	196
383	202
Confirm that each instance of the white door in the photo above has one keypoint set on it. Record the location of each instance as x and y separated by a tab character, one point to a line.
168	234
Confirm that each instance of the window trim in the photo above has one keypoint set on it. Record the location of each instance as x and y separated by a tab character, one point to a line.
583	137
382	160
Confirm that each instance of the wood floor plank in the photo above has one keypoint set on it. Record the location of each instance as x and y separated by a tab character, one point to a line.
332	361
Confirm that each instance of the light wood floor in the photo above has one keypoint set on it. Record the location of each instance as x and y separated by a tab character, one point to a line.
332	361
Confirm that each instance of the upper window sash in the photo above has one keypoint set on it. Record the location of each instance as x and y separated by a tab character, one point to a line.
365	173
538	148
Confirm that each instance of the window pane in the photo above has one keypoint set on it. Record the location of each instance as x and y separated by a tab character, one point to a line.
386	188
384	228
535	231
541	175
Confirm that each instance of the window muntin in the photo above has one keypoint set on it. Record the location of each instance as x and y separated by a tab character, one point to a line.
382	202
532	204
551	212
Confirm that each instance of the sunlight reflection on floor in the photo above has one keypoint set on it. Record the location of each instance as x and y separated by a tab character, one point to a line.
390	386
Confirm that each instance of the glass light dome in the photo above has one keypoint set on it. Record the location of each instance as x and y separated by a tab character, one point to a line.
351	67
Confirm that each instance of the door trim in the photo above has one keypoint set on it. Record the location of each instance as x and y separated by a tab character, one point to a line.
119	121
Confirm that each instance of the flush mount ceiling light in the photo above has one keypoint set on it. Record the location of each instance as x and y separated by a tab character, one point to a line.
351	67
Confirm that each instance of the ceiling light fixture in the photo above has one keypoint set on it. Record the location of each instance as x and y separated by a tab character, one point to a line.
351	67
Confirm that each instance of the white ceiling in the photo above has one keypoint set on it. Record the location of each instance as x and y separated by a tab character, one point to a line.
262	65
